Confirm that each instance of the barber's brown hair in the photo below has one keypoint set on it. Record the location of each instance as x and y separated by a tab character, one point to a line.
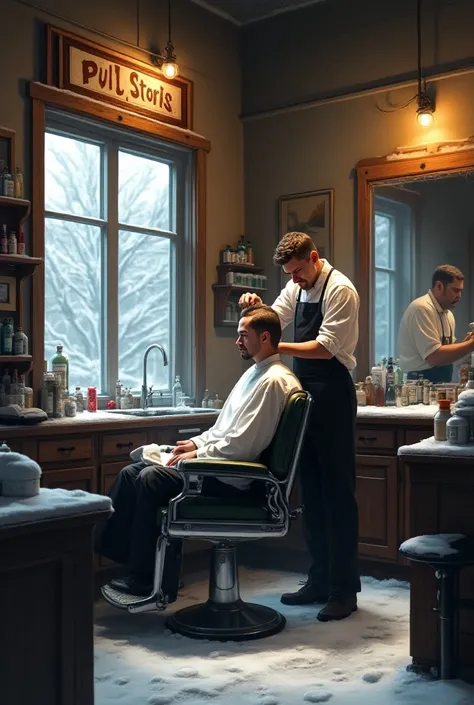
291	245
263	319
446	274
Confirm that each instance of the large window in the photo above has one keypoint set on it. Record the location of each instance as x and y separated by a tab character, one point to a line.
393	242
118	212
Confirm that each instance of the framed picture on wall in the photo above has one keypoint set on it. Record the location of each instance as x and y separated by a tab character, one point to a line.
7	149
7	294
312	213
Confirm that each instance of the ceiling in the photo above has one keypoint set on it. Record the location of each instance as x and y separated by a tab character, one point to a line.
241	12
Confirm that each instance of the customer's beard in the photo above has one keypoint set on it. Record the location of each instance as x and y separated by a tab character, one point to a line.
245	355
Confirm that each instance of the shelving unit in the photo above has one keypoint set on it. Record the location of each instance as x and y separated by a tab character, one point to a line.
224	292
14	269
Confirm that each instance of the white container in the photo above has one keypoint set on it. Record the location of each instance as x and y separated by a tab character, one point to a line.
19	475
457	430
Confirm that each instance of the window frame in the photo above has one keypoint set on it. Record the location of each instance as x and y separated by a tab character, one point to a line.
46	97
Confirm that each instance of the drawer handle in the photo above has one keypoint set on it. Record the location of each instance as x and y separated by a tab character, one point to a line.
367	439
67	449
189	430
124	445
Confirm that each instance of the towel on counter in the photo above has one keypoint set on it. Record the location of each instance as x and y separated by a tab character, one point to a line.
151	454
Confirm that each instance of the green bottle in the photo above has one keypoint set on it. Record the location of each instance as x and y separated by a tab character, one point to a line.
60	367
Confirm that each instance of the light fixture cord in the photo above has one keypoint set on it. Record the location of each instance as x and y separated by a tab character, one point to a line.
418	23
169	21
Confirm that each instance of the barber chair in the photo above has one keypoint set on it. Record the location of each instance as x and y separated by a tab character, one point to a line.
225	523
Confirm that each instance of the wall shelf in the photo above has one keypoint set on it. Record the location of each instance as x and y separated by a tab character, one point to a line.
23	363
223	292
23	265
18	207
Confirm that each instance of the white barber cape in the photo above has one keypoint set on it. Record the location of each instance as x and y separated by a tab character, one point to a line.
249	418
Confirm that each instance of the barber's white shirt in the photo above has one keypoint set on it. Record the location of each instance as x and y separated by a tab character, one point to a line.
421	331
339	330
249	418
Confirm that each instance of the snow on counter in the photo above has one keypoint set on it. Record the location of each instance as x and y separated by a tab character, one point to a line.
415	411
428	446
50	504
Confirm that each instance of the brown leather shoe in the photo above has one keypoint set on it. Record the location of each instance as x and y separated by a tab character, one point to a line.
338	607
306	595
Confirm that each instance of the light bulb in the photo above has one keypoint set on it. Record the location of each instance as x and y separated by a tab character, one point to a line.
424	117
170	69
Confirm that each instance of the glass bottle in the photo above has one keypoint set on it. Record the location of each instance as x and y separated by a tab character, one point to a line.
18	184
361	395
369	391
79	397
7	337
177	393
390	395
20	342
205	399
60	366
250	259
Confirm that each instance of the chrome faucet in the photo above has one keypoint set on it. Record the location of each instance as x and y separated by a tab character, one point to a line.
144	396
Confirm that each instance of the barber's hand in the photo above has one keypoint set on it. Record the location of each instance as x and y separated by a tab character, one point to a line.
249	299
182	456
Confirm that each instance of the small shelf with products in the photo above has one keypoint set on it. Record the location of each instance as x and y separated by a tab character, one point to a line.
233	279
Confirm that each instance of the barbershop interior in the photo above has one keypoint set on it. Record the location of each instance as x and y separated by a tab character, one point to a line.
266	499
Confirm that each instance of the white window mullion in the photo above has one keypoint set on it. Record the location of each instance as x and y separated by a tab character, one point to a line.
111	283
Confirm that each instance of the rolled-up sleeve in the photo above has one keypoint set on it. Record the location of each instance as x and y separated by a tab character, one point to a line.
341	315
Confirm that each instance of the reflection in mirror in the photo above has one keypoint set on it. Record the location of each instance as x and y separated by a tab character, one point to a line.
418	224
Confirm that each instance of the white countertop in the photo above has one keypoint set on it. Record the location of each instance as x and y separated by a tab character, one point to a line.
50	504
440	449
415	411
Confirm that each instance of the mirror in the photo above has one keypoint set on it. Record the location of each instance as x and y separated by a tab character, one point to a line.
414	215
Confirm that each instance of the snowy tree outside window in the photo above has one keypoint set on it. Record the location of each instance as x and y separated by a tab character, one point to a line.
114	228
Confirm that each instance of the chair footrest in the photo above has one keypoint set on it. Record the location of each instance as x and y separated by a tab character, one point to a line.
133	603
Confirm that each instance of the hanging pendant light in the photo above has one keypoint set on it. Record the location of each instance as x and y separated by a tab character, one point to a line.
424	113
169	66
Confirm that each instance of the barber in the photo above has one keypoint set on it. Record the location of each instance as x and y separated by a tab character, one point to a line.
426	342
324	306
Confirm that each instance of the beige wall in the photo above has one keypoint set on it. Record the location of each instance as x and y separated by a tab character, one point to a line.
328	49
208	50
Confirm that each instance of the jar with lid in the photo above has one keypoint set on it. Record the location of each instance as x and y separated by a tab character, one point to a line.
20	342
49	395
70	406
457	430
361	395
441	418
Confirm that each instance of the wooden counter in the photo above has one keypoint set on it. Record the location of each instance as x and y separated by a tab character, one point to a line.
440	487
88	451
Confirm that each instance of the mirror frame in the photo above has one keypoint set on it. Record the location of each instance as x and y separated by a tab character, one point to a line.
382	171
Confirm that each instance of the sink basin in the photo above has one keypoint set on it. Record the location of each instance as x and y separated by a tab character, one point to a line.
163	411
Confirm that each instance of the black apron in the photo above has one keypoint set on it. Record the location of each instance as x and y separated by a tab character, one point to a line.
441	373
327	468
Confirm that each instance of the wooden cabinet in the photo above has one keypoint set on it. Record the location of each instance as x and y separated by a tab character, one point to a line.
121	444
67	449
377	499
82	478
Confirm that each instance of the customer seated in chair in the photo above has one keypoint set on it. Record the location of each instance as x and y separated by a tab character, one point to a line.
244	428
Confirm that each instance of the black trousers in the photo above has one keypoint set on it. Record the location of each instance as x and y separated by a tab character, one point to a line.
327	480
130	534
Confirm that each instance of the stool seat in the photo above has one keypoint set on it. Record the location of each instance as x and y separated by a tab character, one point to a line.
440	549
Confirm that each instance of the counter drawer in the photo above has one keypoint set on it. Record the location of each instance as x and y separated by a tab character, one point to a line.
412	436
65	449
368	439
120	444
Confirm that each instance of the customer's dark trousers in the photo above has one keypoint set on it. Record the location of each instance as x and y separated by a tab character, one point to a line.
130	535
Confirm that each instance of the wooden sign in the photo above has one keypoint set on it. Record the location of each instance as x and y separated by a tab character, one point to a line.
107	76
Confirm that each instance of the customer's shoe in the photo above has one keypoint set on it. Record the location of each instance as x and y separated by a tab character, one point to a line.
306	595
133	584
338	607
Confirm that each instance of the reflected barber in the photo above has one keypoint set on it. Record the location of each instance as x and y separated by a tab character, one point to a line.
426	339
323	304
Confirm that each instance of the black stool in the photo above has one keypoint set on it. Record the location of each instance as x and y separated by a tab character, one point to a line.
446	554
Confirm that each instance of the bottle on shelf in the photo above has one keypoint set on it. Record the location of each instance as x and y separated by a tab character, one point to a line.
250	259
7	184
177	392
205	399
18	184
118	394
20	342
369	391
60	367
4	241
390	393
7	337
242	251
21	243
12	243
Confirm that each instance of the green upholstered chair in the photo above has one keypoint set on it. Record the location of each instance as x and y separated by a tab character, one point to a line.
226	522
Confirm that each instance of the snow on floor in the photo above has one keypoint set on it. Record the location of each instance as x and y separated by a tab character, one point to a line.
357	661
